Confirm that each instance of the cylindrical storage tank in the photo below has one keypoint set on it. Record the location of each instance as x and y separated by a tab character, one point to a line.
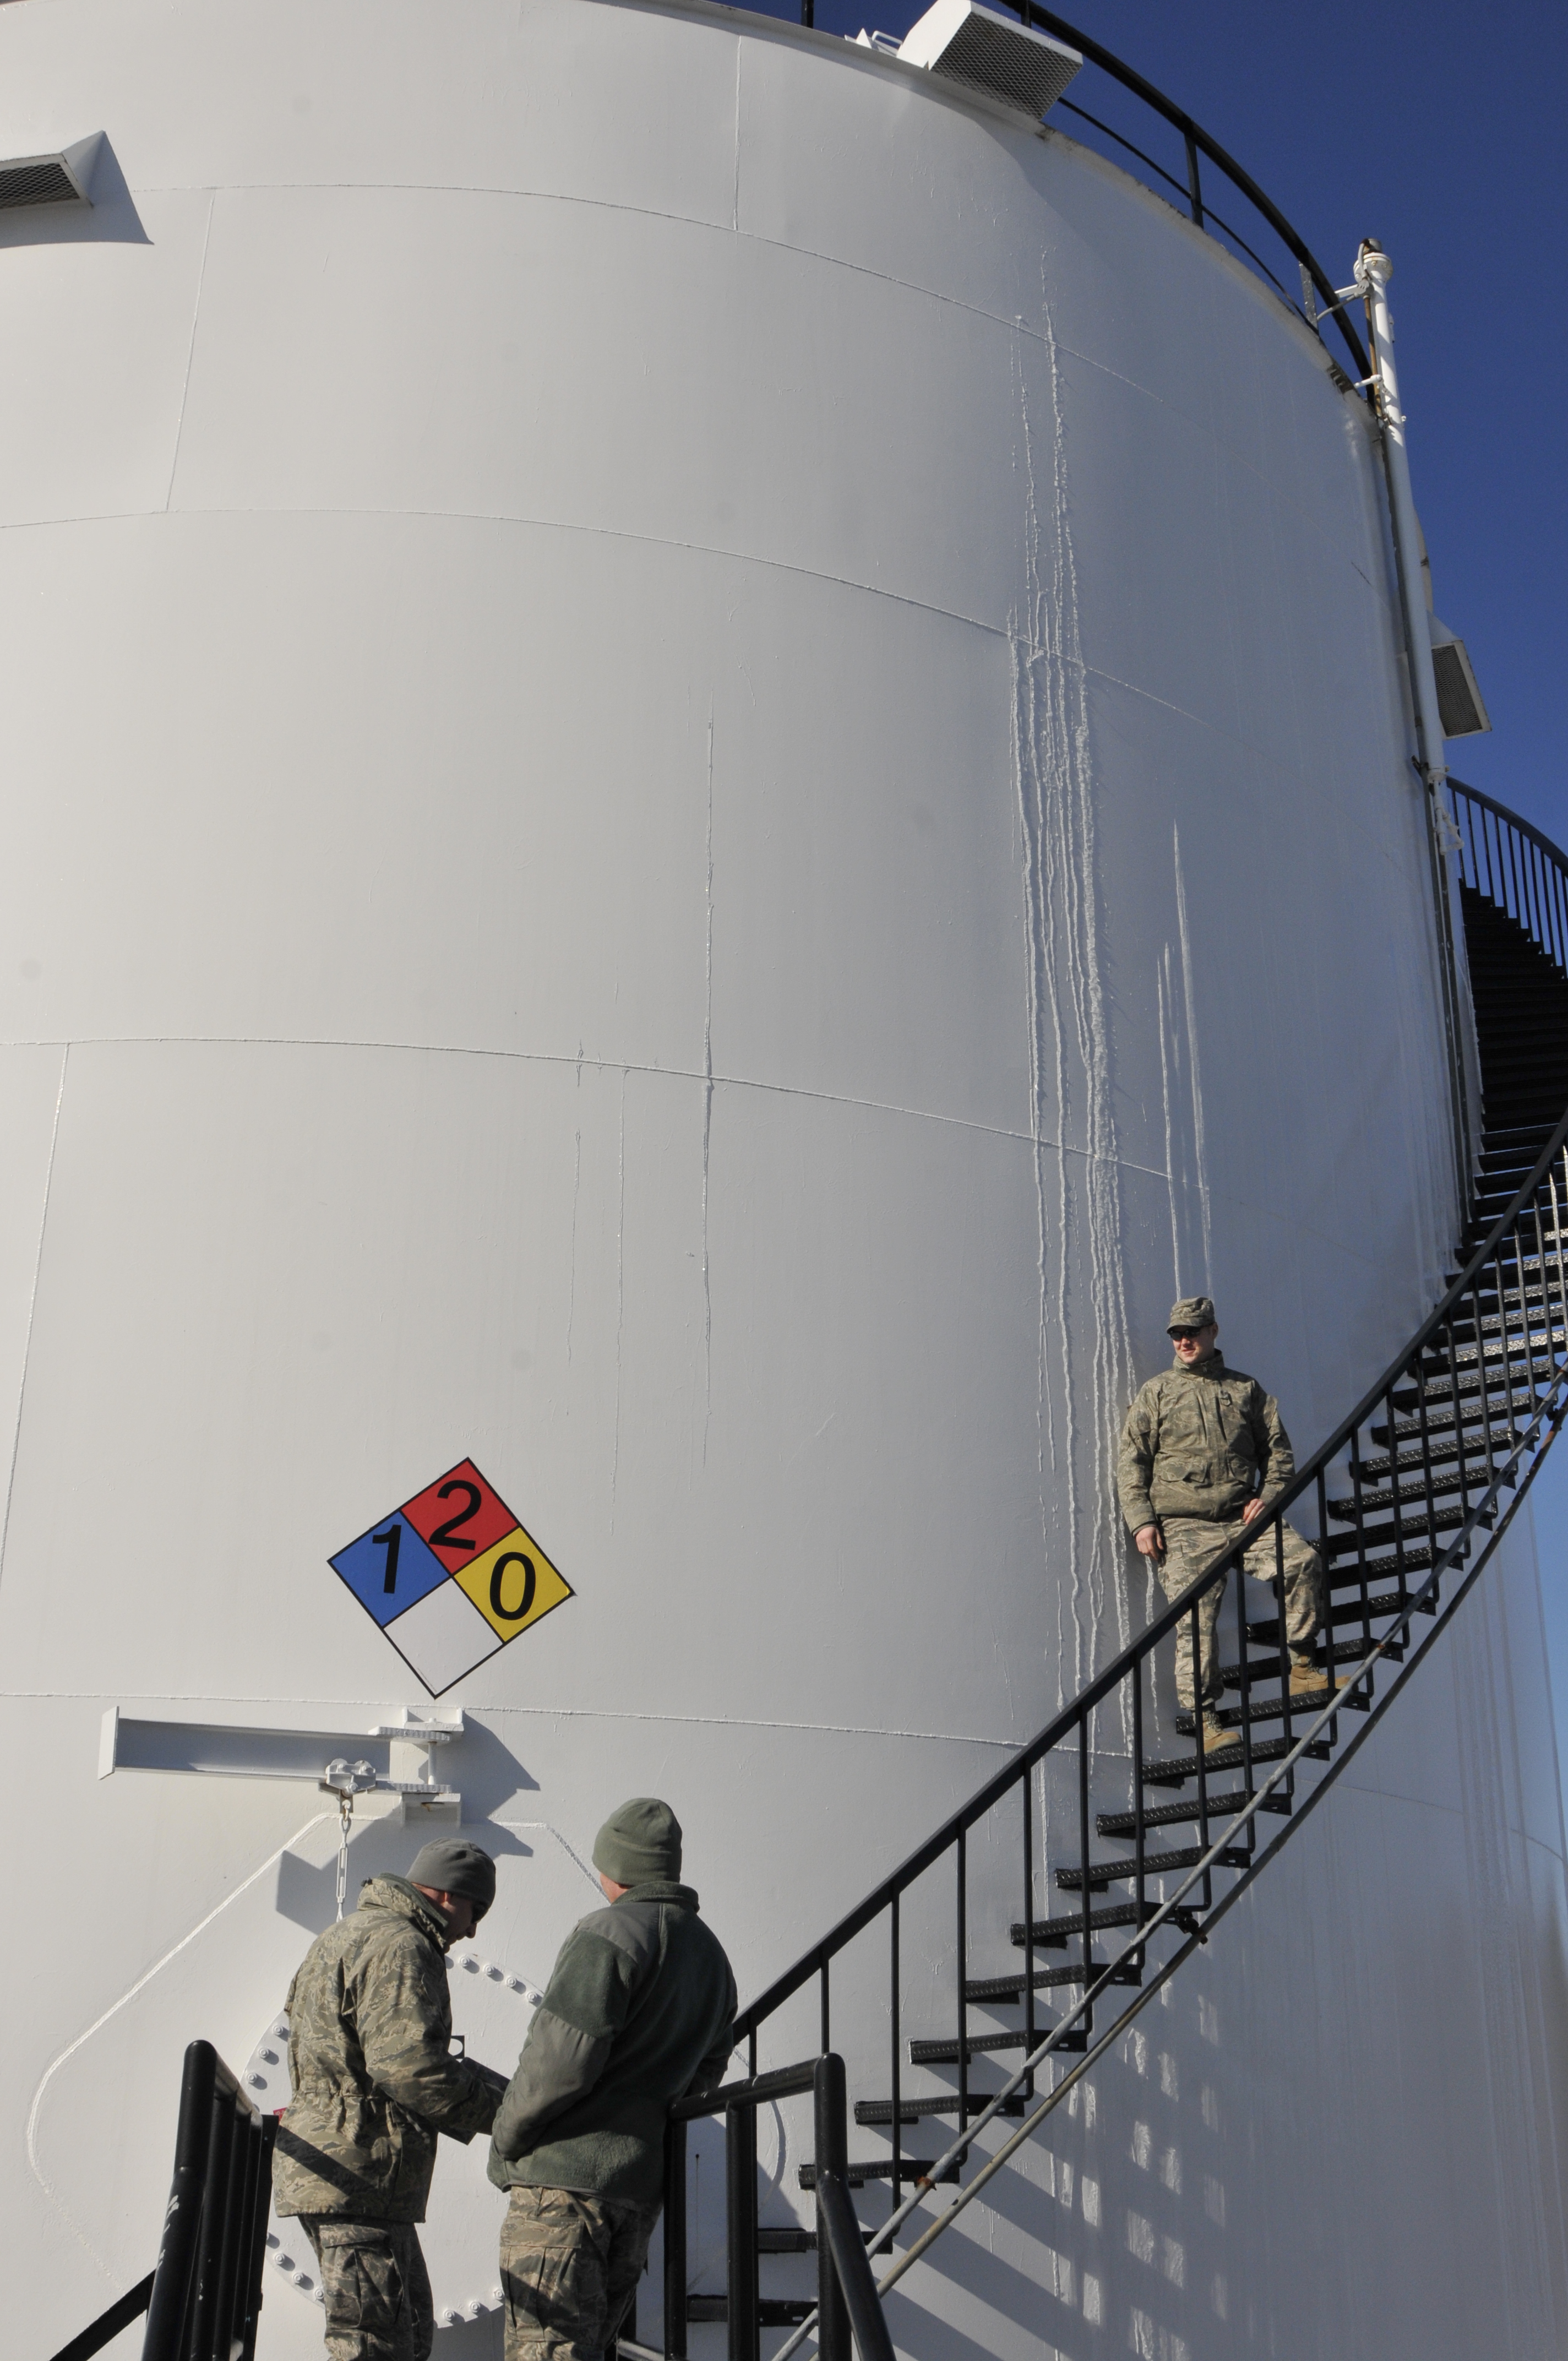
707	773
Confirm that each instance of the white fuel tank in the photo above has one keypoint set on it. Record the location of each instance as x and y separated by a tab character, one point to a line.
706	773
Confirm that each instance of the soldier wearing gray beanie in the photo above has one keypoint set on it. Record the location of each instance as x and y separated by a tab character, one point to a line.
639	2009
453	1865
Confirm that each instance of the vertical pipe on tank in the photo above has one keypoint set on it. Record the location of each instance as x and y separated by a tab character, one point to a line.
1373	271
1373	268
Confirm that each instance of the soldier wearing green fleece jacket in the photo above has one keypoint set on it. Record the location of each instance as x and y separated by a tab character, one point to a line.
638	2012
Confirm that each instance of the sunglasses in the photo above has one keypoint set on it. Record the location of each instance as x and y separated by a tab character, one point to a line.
1183	1335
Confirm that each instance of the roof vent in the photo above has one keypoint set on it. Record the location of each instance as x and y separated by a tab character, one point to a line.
983	51
1459	704
63	179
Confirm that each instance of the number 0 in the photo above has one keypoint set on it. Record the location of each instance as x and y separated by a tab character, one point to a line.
512	1614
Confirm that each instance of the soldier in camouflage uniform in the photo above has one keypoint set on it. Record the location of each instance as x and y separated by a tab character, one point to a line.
638	2012
374	2082
1203	1455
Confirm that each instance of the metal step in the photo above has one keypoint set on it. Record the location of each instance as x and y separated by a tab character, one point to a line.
1164	1816
874	2112
1302	1709
1104	1874
991	1991
1056	1934
1178	1769
1385	1536
1348	1611
989	2044
773	2311
1267	1668
911	2167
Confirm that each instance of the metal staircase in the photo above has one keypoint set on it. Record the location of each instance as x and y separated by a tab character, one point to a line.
1407	1499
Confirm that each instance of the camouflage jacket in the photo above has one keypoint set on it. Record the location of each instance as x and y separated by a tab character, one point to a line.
638	2012
369	2029
1200	1443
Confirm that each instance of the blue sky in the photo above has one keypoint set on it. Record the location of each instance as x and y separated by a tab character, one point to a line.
1438	131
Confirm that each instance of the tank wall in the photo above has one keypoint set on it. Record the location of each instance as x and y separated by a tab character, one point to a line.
708	777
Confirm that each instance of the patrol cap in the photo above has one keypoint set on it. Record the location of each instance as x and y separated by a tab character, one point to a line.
453	1865
641	1840
1191	1312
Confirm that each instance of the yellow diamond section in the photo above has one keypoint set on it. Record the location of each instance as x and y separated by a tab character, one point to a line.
513	1584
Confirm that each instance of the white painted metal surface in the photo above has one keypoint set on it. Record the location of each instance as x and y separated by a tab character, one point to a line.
705	774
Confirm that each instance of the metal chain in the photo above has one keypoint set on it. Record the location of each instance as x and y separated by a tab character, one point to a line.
346	1780
345	1821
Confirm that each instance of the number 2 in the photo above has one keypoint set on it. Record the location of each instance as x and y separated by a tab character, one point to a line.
391	1541
447	1533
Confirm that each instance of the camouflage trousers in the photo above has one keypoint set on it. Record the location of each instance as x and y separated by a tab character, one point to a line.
1191	1543
570	2264
375	2287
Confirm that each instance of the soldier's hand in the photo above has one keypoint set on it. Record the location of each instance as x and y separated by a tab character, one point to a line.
1254	1508
1150	1541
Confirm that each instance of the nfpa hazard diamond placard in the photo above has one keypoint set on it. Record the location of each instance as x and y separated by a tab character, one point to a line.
451	1576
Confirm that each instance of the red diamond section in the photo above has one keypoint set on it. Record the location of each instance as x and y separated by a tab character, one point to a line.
459	1516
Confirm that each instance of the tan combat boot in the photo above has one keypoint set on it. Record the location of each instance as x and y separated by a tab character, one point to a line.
1215	1734
1308	1679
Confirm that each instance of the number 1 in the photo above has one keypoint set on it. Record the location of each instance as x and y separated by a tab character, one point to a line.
391	1541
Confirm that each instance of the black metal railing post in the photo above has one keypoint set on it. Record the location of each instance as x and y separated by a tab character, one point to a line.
740	2231
676	2241
183	2217
831	2113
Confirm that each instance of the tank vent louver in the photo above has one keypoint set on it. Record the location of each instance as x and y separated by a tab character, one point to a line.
973	46
63	179
1460	706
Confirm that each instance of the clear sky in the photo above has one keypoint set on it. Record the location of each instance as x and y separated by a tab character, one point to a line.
1439	130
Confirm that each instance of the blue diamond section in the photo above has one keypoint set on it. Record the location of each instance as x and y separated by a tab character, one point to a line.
389	1569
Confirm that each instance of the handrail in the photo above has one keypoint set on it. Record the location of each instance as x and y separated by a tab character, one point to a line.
1130	79
1198	142
1074	1715
1137	1650
1513	820
1468	1407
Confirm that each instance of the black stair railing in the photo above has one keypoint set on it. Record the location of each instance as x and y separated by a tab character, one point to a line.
1513	865
1407	1501
847	2307
204	2296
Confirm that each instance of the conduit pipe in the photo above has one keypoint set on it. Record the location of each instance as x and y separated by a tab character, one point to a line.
1372	272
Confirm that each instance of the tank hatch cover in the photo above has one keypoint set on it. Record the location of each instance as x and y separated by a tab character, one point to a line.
974	46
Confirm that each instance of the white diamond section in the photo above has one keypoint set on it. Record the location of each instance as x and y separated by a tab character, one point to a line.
490	2008
444	1636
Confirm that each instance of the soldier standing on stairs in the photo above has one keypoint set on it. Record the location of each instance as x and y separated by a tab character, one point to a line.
1203	1455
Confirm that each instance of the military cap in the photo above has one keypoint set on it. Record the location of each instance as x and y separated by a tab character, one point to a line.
453	1865
641	1840
1191	1312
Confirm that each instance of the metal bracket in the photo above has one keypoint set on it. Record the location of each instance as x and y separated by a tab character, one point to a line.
397	1763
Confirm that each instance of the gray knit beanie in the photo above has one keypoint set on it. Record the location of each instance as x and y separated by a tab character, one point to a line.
641	1840
453	1865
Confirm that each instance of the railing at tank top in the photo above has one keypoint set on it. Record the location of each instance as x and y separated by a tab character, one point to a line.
1460	1420
1514	866
1197	146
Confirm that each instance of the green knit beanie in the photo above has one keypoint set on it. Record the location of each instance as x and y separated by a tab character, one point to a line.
642	1839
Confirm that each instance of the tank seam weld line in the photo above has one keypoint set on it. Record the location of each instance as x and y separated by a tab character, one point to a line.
1014	322
541	1712
655	1073
663	541
32	1305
